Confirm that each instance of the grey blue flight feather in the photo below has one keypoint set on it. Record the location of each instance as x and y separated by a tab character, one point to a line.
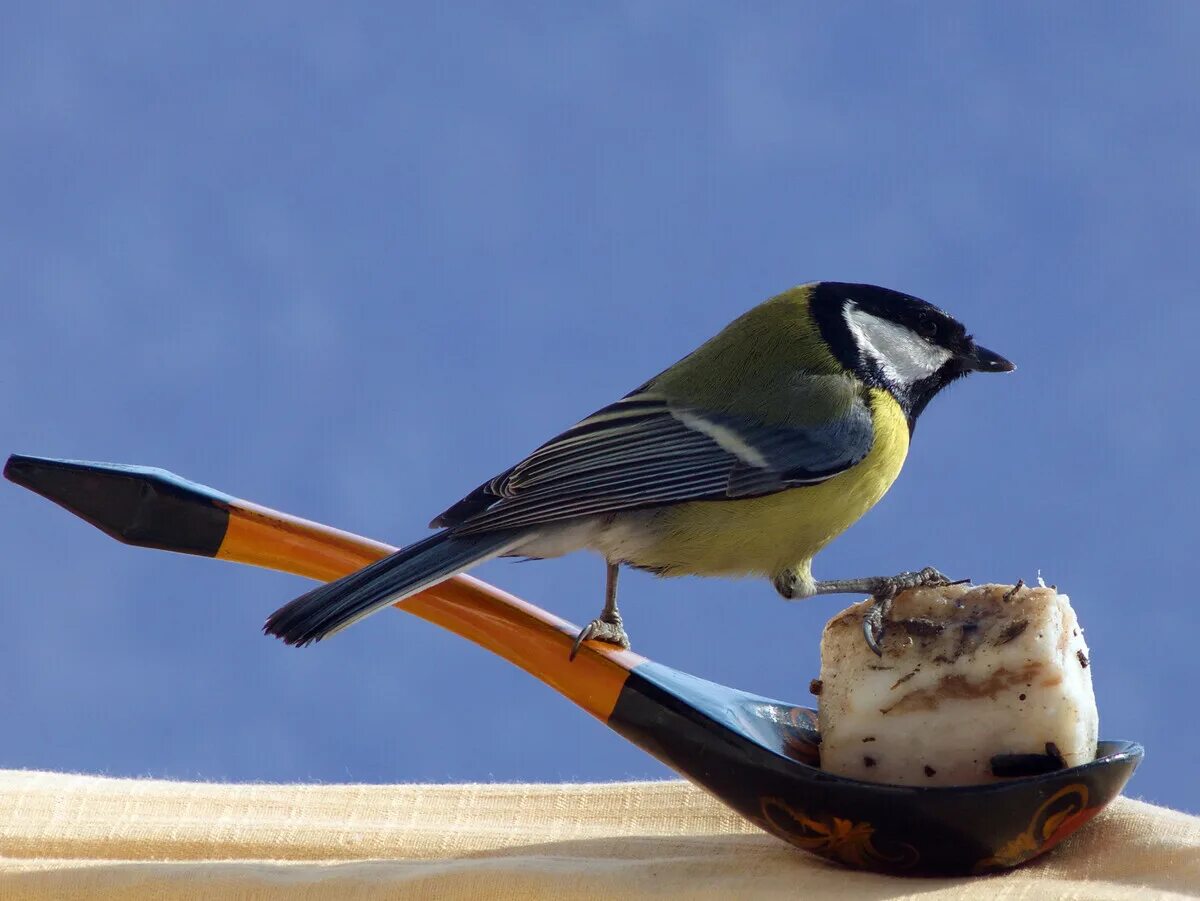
644	451
335	605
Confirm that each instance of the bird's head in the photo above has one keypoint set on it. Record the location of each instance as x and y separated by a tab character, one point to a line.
898	342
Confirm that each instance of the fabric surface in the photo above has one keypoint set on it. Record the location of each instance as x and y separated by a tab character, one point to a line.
68	837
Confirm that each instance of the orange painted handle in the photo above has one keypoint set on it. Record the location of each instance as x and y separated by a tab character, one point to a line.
521	633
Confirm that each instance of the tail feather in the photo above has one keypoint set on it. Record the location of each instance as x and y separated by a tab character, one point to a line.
334	606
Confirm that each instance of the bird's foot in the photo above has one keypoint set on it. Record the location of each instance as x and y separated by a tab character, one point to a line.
884	591
925	578
607	628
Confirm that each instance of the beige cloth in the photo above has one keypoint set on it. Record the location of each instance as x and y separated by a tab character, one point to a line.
74	837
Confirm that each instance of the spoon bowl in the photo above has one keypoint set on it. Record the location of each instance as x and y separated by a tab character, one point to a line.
759	756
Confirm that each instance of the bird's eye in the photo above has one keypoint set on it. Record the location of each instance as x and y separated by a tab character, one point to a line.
927	328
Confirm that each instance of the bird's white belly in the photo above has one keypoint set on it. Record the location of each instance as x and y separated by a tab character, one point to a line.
622	537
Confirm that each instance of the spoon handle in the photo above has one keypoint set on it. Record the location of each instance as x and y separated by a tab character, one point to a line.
150	507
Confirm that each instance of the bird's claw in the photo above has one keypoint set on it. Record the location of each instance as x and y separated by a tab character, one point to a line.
875	619
874	625
601	629
925	578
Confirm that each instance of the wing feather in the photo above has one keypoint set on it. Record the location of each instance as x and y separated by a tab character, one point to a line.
644	451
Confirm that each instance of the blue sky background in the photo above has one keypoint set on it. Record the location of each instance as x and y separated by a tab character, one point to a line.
350	262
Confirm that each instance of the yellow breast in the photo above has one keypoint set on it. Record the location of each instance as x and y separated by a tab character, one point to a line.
765	535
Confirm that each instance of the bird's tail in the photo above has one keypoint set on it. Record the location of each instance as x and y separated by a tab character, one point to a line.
334	606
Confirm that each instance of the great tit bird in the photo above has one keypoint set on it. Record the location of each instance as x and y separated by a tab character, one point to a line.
746	457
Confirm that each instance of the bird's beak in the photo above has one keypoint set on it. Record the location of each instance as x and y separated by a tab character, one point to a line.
980	359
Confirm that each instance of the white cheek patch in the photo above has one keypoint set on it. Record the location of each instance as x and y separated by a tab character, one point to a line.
904	356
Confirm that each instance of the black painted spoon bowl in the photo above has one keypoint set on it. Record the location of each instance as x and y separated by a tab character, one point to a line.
761	757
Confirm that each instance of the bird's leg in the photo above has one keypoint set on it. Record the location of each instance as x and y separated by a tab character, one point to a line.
883	589
607	626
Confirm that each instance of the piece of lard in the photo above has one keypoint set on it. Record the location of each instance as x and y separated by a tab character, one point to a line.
968	674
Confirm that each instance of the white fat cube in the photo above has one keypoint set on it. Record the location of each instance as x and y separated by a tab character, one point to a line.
967	673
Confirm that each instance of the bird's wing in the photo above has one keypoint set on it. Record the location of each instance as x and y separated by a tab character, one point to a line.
644	451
